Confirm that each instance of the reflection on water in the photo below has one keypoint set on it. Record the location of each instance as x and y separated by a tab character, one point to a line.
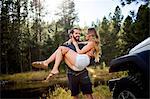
10	89
34	89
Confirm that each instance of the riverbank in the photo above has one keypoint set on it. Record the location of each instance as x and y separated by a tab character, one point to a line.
32	82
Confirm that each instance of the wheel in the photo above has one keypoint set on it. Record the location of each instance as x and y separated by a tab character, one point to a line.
128	88
126	94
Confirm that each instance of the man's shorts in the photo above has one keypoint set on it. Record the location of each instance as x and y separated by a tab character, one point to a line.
79	81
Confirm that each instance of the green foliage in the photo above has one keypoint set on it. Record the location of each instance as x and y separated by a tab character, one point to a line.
108	30
60	93
100	92
11	35
32	80
25	37
124	2
67	17
24	76
135	31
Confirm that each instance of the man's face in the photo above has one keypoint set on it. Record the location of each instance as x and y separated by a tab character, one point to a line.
76	34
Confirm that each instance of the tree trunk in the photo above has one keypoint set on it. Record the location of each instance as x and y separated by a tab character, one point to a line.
6	62
29	58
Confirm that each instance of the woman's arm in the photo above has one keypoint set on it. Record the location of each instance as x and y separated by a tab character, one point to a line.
86	42
85	49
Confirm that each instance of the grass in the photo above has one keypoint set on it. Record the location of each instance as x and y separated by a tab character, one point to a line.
99	92
99	78
95	73
24	76
30	80
60	93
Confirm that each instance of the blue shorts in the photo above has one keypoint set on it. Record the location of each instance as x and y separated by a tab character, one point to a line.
80	82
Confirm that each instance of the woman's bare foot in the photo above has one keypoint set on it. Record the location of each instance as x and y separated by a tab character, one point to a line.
53	71
40	64
52	74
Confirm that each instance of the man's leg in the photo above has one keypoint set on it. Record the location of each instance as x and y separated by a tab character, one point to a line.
89	96
75	97
86	85
73	82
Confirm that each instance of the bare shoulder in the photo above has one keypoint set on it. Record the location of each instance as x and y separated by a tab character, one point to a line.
91	42
85	42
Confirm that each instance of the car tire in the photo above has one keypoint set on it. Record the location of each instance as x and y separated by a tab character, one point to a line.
128	88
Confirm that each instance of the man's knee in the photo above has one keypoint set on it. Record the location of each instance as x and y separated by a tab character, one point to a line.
75	97
89	96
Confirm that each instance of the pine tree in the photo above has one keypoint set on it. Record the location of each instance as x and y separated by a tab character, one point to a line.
135	31
67	17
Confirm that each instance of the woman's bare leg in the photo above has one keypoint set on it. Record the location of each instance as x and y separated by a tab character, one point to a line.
60	54
68	63
58	59
63	52
51	58
55	69
44	64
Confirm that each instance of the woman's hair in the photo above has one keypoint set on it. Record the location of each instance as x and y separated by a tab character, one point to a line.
96	38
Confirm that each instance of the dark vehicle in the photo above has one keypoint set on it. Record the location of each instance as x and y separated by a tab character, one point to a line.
136	63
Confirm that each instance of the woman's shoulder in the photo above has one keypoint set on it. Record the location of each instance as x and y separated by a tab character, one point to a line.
92	42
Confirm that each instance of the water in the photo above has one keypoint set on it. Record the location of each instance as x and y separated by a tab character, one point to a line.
10	89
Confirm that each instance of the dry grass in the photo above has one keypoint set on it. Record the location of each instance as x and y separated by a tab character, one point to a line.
99	92
98	76
24	76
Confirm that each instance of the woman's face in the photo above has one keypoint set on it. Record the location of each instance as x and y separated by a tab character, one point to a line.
89	35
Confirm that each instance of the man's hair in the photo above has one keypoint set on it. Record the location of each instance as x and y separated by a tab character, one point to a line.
72	30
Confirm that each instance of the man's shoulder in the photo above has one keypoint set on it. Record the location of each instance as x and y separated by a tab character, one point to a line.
71	46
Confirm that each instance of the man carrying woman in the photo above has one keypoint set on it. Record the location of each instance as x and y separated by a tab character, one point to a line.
76	61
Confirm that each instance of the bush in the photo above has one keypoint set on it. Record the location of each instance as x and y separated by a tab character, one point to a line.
60	93
100	92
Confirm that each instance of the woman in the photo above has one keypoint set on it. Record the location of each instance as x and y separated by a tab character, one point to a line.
75	60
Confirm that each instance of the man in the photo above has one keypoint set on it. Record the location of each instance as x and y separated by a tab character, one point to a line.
78	80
